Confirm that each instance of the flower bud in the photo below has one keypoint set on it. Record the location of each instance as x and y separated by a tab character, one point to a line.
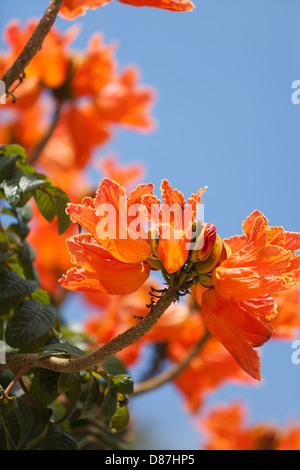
153	237
213	259
155	263
205	280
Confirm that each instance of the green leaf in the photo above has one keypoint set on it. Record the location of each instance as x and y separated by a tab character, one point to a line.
67	381
45	204
72	398
25	213
30	322
58	439
12	190
41	296
120	419
114	366
28	183
91	398
44	386
109	405
14	288
122	384
61	349
7	166
52	201
13	149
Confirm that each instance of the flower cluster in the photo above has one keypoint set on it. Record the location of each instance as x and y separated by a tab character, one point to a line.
233	280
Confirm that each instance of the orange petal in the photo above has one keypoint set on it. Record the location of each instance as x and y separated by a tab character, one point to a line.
251	273
122	246
239	326
127	279
173	5
173	253
171	196
195	200
84	215
72	8
236	243
198	290
137	195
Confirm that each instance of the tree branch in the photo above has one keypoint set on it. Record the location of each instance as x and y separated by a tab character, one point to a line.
172	372
34	154
109	349
33	46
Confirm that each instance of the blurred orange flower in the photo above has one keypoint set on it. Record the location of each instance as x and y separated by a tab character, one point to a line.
237	306
212	367
287	323
227	430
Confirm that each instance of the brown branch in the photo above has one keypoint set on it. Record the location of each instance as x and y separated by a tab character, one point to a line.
37	150
107	350
16	379
172	372
33	46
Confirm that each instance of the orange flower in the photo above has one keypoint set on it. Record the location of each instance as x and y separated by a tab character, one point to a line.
173	5
126	103
95	69
287	323
124	174
114	264
228	430
235	300
173	221
210	369
72	8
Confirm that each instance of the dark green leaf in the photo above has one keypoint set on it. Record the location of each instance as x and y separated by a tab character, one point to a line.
122	384
64	348
28	183
91	398
66	382
72	398
14	288
30	322
7	166
58	439
44	386
114	366
109	405
12	190
25	213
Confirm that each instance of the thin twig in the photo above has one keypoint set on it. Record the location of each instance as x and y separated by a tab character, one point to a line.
37	150
172	372
16	379
33	46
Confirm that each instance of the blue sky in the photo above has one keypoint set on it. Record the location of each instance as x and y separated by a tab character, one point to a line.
223	75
